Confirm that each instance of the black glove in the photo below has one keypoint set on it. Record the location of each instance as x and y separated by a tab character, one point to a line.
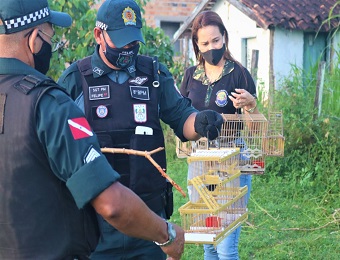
208	123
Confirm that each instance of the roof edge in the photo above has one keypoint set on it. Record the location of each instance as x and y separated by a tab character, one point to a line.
247	11
189	20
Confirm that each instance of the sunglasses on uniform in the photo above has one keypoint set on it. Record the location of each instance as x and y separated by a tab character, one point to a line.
56	43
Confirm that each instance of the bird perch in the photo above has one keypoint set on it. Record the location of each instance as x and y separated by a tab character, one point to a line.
146	154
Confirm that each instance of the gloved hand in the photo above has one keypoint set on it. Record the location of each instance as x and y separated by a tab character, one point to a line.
208	123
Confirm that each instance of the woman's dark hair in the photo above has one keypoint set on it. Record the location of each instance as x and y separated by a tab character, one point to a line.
204	19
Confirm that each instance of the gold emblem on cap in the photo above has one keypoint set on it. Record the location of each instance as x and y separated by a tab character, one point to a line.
129	16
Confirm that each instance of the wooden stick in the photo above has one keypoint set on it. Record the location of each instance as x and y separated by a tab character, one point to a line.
146	154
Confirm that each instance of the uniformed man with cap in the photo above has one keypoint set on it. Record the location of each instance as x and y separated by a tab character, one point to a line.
124	96
52	172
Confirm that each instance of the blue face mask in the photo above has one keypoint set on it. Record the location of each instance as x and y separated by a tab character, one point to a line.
121	57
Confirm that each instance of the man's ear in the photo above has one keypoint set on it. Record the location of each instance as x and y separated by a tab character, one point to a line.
98	35
32	41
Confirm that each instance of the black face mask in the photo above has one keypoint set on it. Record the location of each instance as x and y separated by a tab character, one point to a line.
213	56
43	57
120	57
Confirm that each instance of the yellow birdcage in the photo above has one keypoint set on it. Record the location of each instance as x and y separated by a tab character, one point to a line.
248	132
254	134
217	202
219	162
274	142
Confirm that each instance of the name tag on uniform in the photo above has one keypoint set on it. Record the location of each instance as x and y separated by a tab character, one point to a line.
141	93
99	92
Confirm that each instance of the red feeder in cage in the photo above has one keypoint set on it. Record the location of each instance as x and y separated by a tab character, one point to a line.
213	221
260	164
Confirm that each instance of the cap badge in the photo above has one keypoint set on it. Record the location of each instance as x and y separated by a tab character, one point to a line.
129	16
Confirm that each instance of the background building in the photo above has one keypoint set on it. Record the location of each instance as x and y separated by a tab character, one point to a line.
269	36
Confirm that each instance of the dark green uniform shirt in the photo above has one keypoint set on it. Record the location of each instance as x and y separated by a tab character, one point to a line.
174	109
74	157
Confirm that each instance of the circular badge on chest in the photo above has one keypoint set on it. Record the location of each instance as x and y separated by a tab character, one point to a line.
102	111
221	98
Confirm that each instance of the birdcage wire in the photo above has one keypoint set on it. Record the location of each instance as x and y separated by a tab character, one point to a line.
255	135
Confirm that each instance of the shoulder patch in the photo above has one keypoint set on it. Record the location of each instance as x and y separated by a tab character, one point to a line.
80	128
27	83
145	64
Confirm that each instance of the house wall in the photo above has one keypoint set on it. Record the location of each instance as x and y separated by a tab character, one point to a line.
288	51
287	45
168	10
169	15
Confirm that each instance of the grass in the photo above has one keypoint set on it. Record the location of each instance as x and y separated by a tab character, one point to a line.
286	221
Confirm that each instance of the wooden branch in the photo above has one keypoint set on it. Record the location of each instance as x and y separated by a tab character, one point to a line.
146	154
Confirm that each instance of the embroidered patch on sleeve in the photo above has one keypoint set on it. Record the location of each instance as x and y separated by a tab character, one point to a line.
91	155
2	111
80	128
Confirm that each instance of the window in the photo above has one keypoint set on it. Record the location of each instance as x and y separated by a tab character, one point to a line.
169	29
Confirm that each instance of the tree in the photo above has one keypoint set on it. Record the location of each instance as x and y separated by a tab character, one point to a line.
79	37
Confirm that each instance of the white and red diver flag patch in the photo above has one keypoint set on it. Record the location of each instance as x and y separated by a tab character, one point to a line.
80	128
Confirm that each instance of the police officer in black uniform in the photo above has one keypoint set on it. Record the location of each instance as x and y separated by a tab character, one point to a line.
53	176
124	96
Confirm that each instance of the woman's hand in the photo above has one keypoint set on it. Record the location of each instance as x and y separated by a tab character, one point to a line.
242	99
